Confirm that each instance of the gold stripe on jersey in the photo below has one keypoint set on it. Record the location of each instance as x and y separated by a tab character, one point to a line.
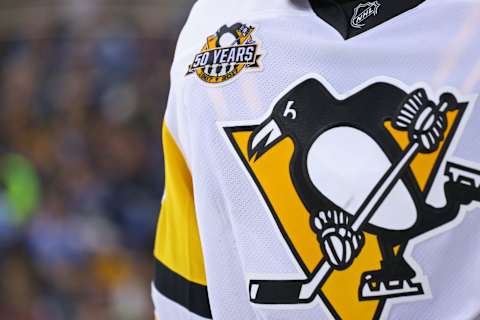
177	243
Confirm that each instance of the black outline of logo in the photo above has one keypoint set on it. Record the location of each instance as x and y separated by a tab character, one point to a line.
451	168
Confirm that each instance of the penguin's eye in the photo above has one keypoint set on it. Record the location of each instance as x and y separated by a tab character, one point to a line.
290	111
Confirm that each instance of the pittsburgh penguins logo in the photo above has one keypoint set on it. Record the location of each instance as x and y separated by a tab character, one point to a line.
347	179
231	50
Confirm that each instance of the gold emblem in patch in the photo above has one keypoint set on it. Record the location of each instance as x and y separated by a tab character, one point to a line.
226	53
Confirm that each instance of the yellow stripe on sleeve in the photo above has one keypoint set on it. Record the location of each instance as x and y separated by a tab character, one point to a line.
177	243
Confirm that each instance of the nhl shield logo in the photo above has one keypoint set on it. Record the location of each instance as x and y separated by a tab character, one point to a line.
362	12
346	178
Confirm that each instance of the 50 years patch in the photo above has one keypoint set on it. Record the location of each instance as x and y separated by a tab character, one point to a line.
228	52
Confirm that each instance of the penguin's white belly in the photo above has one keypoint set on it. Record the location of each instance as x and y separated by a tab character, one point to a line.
345	164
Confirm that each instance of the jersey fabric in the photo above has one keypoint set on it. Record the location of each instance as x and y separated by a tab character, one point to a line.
322	161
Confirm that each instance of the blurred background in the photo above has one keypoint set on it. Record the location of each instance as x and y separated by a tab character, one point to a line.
83	86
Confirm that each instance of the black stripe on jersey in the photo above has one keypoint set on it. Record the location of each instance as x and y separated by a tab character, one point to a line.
353	17
190	295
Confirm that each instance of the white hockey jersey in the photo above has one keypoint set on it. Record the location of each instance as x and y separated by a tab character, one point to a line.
322	162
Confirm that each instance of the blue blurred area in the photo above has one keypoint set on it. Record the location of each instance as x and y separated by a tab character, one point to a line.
82	91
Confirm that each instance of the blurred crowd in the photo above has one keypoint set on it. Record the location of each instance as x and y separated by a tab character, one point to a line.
83	85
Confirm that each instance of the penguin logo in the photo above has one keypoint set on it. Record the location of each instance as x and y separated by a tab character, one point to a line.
348	180
231	50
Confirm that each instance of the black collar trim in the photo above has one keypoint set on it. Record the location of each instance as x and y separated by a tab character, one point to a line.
353	17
